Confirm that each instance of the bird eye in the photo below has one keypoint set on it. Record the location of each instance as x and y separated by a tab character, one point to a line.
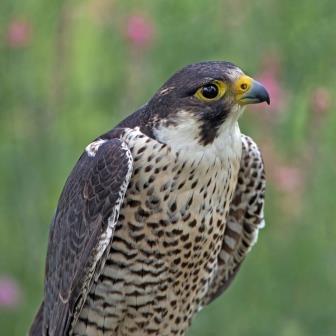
211	91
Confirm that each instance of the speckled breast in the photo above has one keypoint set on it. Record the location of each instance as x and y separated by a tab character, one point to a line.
165	246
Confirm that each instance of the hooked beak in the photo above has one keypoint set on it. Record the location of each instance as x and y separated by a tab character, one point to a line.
249	91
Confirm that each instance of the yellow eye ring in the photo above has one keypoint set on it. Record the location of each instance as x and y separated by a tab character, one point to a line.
211	91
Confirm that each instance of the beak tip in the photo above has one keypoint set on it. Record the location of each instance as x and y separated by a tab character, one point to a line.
256	94
263	94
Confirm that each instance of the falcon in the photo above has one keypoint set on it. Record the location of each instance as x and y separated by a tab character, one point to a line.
158	214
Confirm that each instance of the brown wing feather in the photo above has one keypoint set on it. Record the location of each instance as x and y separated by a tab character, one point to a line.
245	218
80	233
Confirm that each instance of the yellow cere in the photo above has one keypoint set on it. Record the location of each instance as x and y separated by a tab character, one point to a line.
242	85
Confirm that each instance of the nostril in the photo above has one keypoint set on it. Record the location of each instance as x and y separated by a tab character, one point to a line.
243	86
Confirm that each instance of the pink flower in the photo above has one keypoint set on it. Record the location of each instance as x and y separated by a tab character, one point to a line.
139	30
18	33
269	76
320	101
288	179
10	293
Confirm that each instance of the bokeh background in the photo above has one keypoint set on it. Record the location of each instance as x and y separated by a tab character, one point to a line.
70	70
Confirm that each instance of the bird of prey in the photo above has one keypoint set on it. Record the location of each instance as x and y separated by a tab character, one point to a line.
158	214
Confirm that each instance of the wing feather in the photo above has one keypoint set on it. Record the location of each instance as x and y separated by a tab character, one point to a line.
81	232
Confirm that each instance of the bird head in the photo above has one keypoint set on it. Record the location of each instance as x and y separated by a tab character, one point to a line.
202	101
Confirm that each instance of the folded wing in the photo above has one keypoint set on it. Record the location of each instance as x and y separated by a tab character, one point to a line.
81	232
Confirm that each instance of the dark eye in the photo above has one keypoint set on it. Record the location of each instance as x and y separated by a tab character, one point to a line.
210	91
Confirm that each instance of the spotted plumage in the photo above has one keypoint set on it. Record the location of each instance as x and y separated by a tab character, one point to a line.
158	214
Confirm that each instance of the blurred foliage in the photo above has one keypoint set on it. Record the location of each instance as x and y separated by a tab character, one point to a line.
70	70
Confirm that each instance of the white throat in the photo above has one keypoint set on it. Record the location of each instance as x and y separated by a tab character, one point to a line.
184	137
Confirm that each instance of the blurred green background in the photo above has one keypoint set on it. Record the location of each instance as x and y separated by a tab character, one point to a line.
70	70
